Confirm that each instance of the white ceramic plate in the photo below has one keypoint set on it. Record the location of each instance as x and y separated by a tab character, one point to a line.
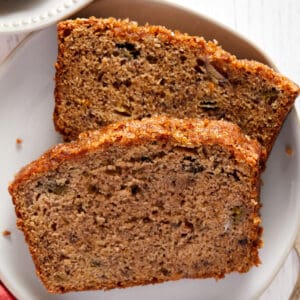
26	101
29	15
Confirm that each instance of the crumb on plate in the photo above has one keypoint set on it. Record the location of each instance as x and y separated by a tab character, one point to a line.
289	150
6	233
19	141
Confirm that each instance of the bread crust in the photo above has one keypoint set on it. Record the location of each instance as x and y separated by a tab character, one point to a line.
186	133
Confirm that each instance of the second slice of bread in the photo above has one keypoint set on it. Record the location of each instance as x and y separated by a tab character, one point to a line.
110	70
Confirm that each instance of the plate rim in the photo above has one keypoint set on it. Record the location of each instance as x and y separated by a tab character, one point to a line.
43	19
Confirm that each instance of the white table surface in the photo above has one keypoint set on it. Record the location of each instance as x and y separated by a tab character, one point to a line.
274	26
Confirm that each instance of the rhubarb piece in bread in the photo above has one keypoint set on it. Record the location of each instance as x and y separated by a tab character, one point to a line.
142	202
109	70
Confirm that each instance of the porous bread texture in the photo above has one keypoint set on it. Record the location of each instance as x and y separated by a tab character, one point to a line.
109	70
142	202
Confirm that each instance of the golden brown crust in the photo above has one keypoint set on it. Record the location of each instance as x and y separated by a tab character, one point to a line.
139	283
186	133
121	28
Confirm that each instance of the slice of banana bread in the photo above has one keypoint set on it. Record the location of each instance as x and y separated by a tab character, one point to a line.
110	70
142	202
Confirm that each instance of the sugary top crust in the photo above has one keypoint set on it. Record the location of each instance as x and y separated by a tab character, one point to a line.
189	133
121	28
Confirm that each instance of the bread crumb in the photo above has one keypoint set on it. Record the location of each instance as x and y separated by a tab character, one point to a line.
289	150
6	233
19	142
